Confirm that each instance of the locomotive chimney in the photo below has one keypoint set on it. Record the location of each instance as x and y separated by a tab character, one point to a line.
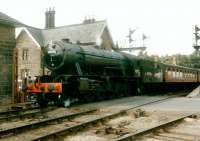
50	18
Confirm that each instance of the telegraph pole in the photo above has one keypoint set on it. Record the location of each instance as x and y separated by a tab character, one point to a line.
129	36
131	47
197	37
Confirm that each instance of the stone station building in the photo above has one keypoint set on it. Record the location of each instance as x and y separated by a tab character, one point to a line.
7	45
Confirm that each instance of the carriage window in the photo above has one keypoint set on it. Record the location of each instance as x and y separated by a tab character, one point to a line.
173	74
137	72
181	75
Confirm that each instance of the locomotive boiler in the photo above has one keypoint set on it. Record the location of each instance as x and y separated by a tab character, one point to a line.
64	58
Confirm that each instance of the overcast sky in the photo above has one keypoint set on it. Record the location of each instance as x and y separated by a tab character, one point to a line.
168	23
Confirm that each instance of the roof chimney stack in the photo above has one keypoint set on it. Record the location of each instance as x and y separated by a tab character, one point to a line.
50	18
89	20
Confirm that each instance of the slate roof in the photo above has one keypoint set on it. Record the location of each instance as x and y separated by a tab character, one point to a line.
84	33
6	20
37	35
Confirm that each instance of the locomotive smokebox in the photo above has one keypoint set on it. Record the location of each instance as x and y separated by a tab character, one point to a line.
53	56
59	56
67	58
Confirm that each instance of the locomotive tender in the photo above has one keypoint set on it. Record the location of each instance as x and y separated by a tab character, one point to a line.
88	73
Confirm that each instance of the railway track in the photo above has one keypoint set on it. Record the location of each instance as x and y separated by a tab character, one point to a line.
182	129
142	132
53	128
31	112
40	124
15	109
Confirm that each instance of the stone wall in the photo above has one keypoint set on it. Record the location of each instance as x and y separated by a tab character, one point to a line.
7	44
32	62
106	40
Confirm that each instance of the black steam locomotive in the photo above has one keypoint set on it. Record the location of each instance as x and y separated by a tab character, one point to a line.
89	73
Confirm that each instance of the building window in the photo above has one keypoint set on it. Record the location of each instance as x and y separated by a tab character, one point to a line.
22	83
25	73
25	54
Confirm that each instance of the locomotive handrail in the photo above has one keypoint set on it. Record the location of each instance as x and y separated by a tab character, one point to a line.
99	56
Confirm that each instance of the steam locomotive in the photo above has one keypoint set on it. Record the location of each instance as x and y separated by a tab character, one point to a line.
89	73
